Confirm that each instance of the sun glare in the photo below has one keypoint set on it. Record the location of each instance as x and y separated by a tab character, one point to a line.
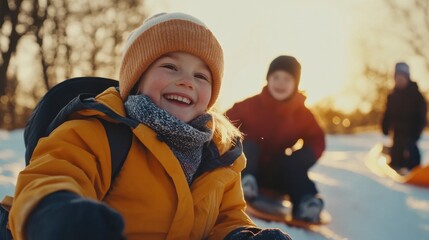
314	32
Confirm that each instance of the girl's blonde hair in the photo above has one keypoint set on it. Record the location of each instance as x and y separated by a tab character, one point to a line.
224	131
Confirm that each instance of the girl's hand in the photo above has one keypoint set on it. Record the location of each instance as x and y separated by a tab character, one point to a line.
65	215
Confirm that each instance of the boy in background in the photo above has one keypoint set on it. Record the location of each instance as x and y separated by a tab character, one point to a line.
405	119
282	140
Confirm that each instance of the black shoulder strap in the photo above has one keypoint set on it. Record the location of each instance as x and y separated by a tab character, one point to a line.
53	102
120	138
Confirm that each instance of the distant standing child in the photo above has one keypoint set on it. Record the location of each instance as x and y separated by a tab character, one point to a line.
273	122
405	118
181	178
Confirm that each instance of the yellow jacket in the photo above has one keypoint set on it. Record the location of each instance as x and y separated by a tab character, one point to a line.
150	192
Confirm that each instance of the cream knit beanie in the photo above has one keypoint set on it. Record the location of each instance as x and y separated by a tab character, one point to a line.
164	33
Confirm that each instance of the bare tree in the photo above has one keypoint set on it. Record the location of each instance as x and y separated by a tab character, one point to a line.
40	15
412	21
74	38
84	37
406	24
16	20
11	33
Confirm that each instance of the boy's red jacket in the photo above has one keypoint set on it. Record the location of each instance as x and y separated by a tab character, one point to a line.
277	125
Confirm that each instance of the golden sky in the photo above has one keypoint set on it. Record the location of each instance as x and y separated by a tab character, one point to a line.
326	36
332	39
253	33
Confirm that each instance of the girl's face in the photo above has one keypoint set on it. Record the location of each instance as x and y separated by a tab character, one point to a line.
179	83
281	85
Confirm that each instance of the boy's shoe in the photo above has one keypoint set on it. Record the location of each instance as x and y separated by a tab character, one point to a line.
250	186
309	209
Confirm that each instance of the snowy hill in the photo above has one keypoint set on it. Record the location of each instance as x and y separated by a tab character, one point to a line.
363	205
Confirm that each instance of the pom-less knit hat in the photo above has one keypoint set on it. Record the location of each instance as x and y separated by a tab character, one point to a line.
164	33
402	68
288	64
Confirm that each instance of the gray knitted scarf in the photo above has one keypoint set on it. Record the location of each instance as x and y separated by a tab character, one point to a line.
186	140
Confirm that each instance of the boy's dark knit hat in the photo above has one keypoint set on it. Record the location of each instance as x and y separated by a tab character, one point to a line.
165	33
402	68
288	64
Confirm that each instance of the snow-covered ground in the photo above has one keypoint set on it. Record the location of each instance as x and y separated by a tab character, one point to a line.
363	205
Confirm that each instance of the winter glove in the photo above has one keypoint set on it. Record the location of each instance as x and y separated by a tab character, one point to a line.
304	158
250	186
257	234
65	215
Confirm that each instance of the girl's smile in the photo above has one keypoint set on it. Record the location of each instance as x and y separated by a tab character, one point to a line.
179	83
